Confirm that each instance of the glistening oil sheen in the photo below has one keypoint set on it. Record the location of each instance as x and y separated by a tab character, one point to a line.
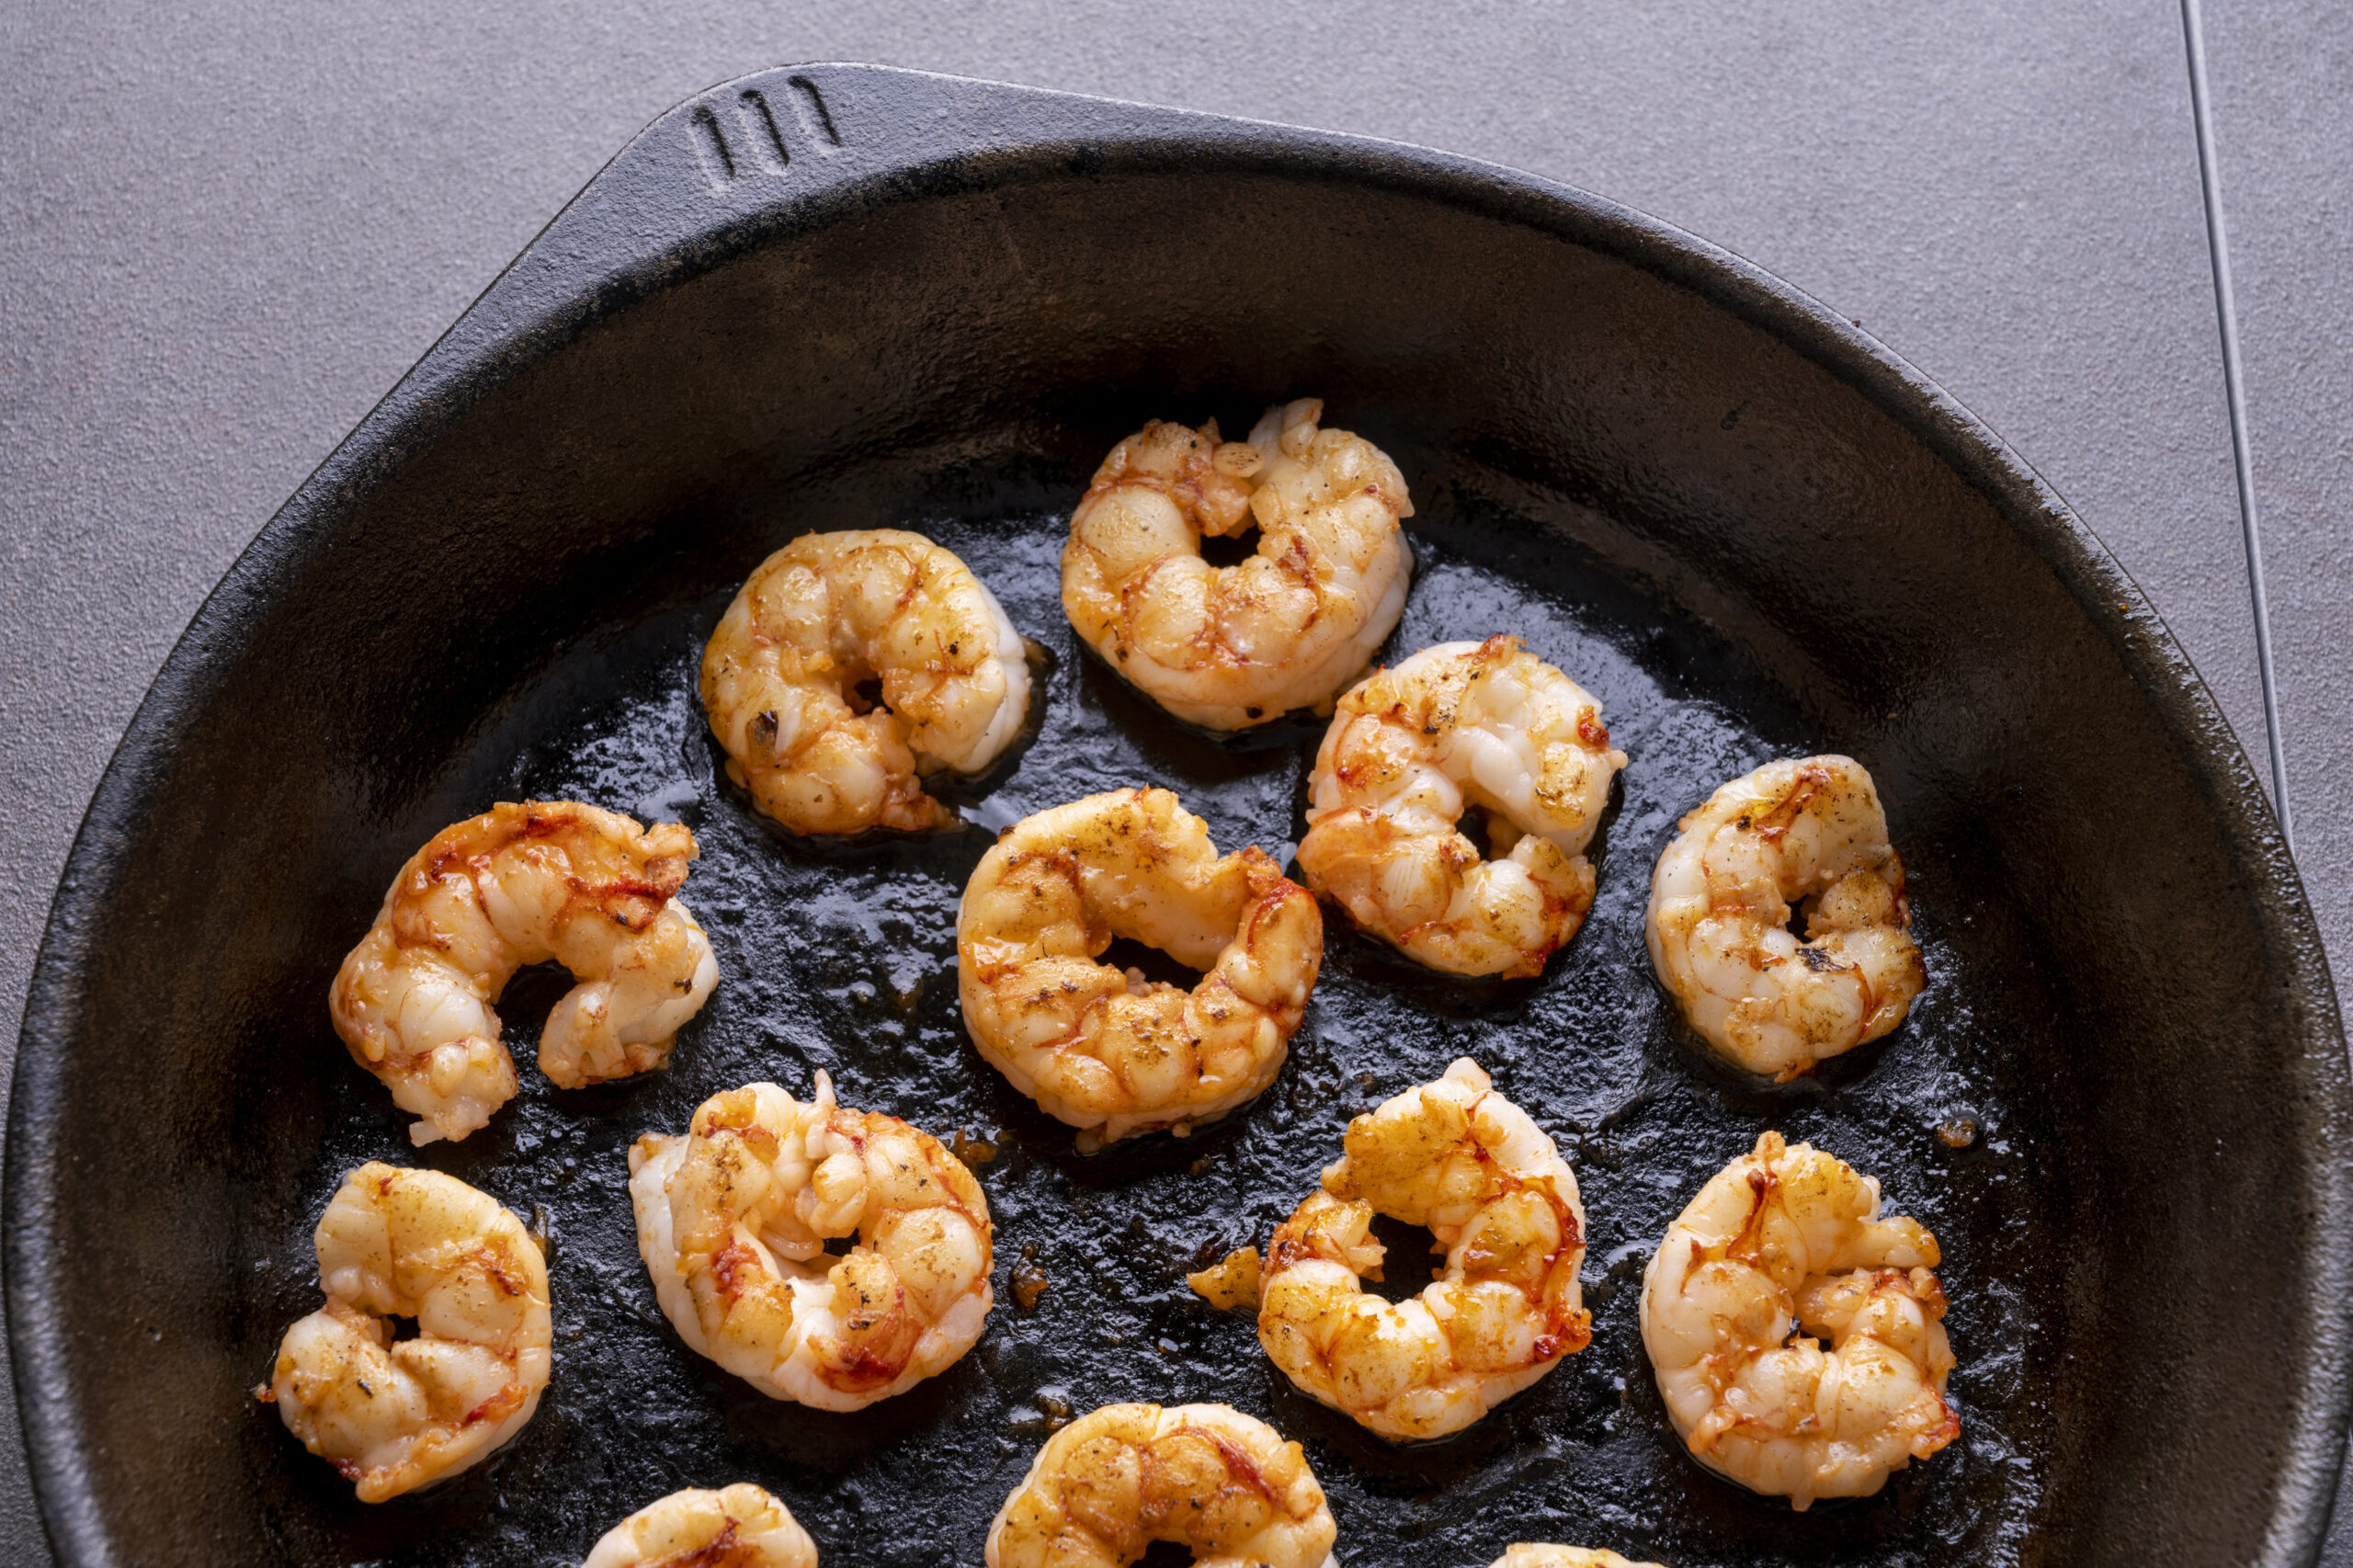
841	957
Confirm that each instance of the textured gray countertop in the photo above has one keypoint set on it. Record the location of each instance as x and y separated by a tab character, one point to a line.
224	234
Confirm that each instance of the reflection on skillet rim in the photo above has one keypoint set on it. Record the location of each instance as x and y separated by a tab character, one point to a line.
670	212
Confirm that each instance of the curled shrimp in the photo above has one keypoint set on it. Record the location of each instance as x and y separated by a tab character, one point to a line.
733	1220
391	1415
1102	1049
1107	1485
1458	1157
827	614
1808	833
1233	646
1463	726
737	1526
522	884
1544	1554
1781	1250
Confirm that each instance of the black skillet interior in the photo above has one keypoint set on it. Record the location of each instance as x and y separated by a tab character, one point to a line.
929	303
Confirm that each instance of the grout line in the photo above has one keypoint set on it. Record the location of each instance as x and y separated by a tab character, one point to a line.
2234	392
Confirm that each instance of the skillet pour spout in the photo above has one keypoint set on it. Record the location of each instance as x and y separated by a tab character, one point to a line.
843	296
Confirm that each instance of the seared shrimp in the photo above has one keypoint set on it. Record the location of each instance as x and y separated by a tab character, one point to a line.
397	1414
1233	646
733	1220
519	885
1458	727
1785	1240
1809	833
1458	1157
1544	1554
1224	1484
831	612
1102	1049
737	1526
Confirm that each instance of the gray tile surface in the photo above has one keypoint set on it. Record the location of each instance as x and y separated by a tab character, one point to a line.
2283	139
223	235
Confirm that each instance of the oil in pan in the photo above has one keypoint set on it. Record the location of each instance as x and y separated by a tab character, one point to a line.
842	957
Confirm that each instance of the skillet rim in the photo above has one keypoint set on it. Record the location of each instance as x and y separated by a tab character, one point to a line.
645	208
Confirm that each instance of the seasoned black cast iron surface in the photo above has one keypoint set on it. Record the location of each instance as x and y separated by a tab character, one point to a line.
936	306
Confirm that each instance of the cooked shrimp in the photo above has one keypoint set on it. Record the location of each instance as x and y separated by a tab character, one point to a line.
1462	726
519	885
1809	833
1233	1282
1102	1049
827	614
1543	1554
1788	1239
1233	646
1458	1157
397	1414
733	1220
1224	1484
737	1526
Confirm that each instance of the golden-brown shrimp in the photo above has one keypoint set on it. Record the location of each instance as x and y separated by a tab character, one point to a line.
1233	646
1789	1239
1544	1554
737	1526
522	884
394	1415
1463	725
733	1220
1808	833
1458	1157
1100	1049
827	614
1107	1485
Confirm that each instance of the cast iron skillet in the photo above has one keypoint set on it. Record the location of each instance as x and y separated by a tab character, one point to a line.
847	296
